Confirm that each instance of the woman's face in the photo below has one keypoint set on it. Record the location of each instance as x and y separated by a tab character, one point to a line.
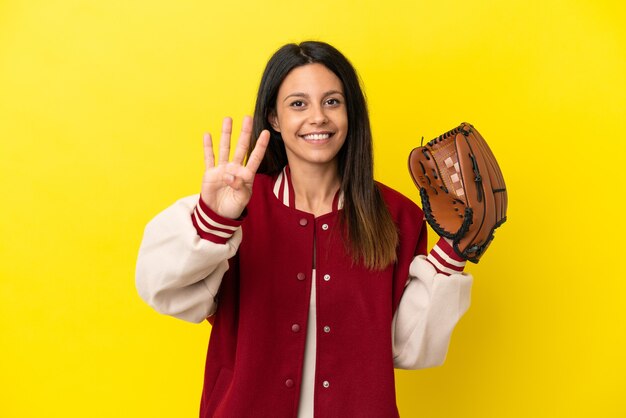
311	115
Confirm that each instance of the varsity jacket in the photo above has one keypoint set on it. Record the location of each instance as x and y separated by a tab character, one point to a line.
254	279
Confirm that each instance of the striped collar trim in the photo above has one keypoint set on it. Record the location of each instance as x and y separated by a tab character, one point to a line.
283	190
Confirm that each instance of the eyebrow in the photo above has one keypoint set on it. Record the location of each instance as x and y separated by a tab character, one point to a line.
328	93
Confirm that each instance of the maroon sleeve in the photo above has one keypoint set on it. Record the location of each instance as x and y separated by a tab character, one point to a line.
211	226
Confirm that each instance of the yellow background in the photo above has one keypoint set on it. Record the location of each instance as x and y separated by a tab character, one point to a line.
102	109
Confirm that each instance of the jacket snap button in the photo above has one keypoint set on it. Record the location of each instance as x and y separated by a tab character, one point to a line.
325	227
303	222
301	276
289	383
295	327
326	384
326	329
326	277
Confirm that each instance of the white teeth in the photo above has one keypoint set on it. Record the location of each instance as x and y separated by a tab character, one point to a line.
316	137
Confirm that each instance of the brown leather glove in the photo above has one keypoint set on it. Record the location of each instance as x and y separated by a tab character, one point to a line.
462	189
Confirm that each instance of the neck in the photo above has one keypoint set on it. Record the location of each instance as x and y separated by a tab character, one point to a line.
315	187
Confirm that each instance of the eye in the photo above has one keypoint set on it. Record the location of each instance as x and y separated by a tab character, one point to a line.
333	102
297	103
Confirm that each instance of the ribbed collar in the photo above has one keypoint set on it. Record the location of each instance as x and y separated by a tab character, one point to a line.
283	190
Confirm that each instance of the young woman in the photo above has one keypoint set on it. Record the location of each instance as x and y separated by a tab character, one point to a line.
313	275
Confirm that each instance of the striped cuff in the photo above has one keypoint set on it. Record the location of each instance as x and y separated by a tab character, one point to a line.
445	259
211	226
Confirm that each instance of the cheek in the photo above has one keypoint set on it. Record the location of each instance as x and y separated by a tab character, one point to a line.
293	124
343	119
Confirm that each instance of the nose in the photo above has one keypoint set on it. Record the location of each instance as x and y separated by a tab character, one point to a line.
318	115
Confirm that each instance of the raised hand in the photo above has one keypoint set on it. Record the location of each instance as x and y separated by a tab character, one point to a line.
227	186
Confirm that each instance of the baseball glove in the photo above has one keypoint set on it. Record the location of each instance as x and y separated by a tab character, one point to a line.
463	193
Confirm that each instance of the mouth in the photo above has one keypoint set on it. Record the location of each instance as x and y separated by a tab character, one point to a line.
317	136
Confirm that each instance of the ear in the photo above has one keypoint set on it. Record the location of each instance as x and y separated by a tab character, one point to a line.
273	120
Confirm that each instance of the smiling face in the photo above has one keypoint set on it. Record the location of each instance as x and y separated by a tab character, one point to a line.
311	115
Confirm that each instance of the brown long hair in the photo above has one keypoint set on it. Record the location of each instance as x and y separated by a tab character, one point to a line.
372	236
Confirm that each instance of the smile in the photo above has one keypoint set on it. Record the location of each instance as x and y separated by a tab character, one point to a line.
316	136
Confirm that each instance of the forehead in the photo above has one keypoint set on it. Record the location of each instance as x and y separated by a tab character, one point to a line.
310	79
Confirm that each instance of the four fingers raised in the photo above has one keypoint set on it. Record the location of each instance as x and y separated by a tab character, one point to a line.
242	146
